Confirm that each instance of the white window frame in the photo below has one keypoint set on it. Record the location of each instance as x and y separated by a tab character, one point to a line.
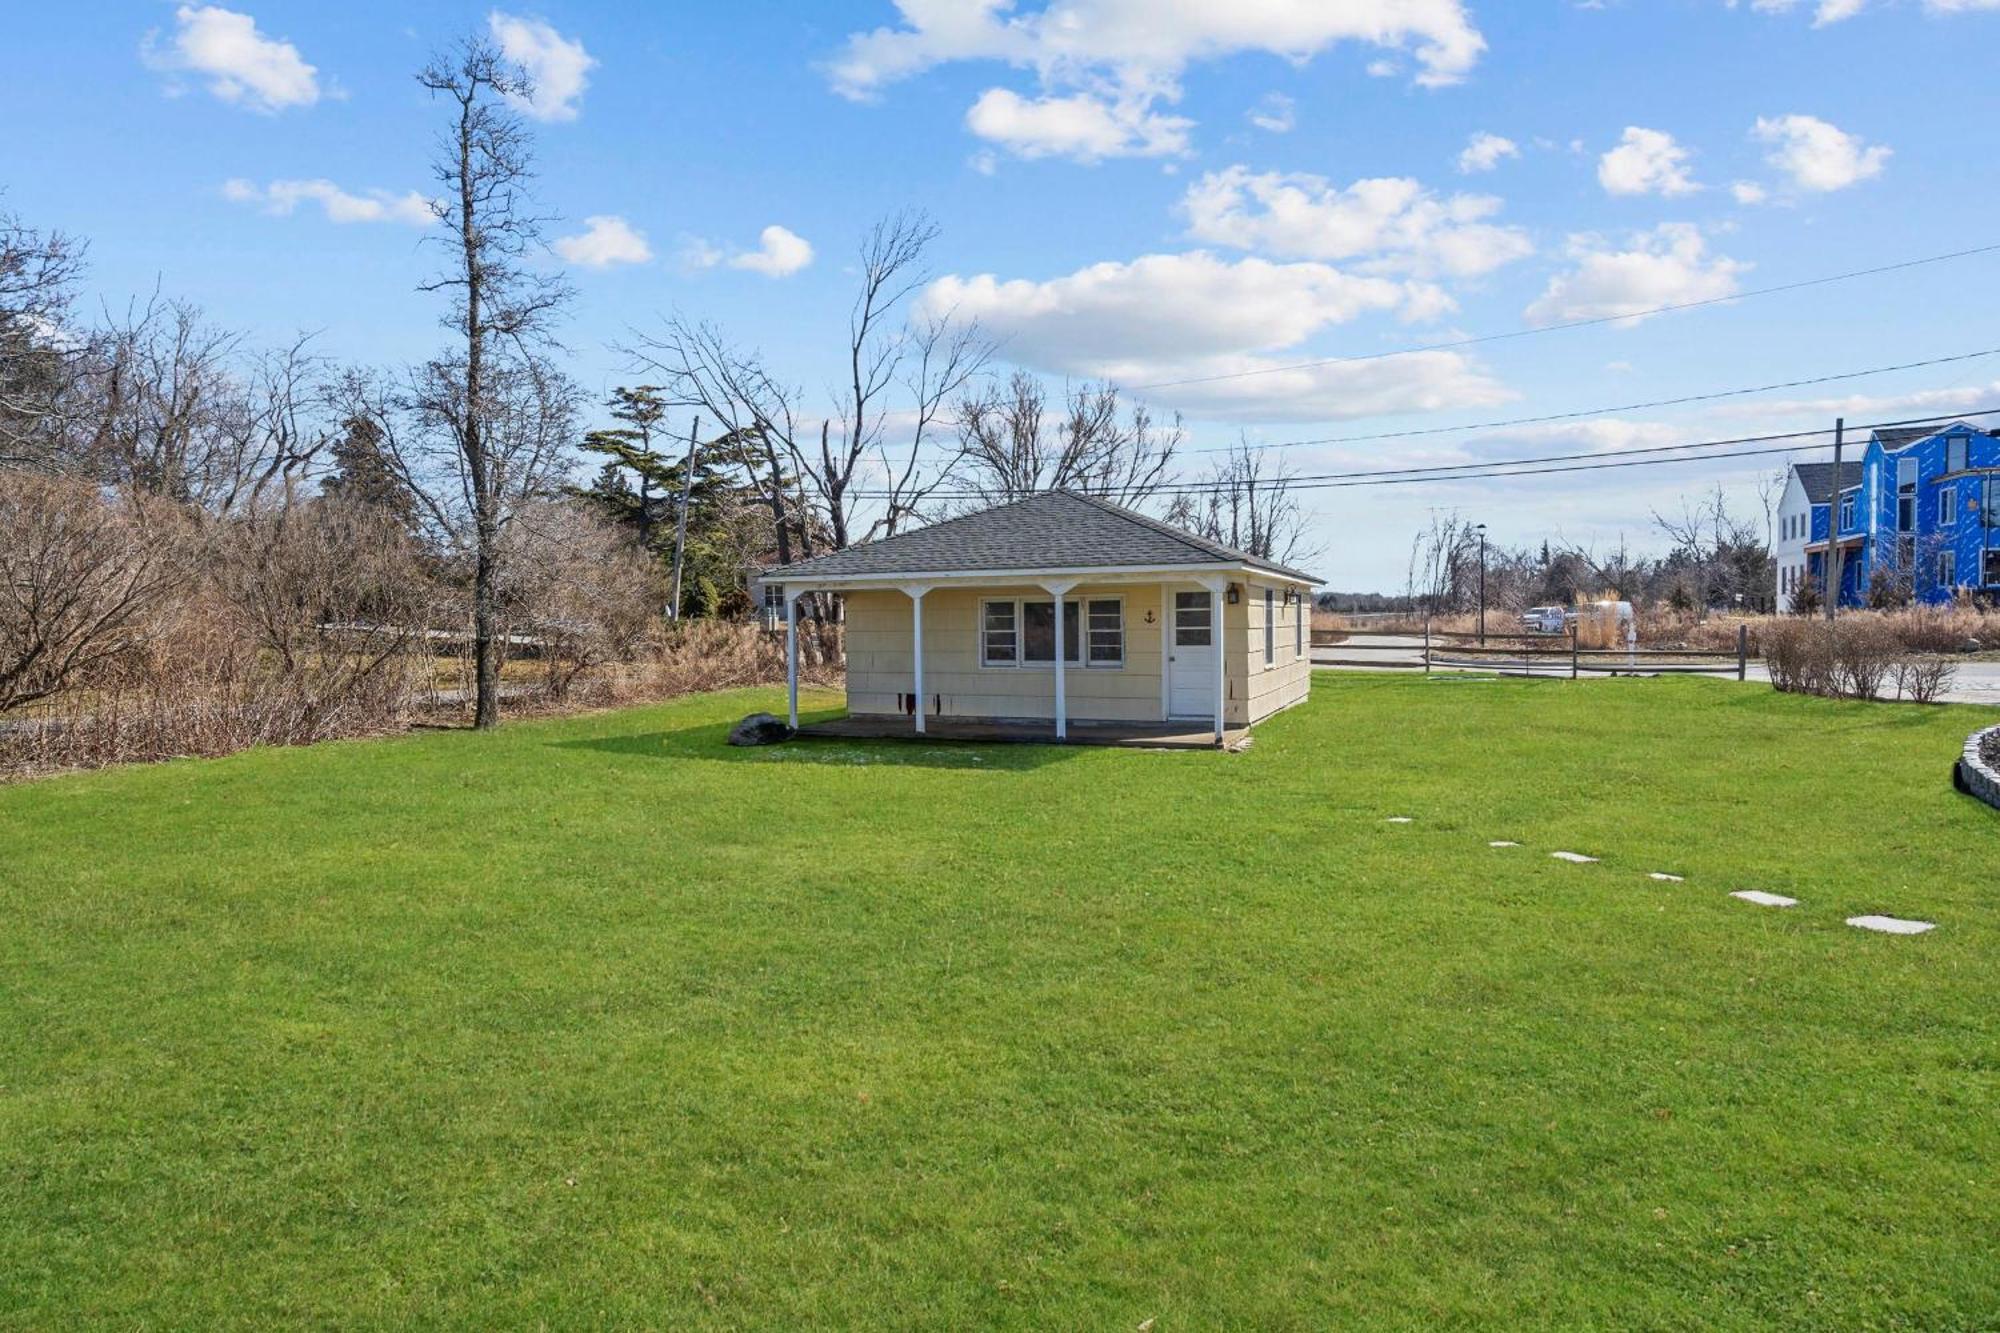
1850	508
1947	569
1081	661
1959	447
1013	629
1301	610
1947	513
1085	629
1270	627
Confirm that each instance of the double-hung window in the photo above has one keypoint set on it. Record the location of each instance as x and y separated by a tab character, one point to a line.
1906	495
1954	453
1022	632
1107	631
999	635
1947	569
1300	607
1847	511
1270	626
1947	506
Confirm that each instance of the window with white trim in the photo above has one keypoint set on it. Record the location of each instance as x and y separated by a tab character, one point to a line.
1192	612
1107	632
1947	506
1300	607
1270	627
998	634
1022	632
1955	447
1038	633
1847	503
1947	569
1993	566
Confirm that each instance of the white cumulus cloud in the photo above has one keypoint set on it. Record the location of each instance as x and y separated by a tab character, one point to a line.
1816	155
780	253
1483	152
1392	224
1669	265
1646	162
557	66
1082	127
606	240
1105	63
237	62
1747	193
282	198
1196	316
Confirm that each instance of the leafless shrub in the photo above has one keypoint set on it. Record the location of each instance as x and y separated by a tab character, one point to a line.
582	590
1865	654
1799	655
1925	678
78	576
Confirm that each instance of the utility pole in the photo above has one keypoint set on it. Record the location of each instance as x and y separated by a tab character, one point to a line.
681	529
1482	585
1833	525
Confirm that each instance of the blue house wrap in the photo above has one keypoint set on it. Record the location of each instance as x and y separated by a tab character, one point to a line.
1920	518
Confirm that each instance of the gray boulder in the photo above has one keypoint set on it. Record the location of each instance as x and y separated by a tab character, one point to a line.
759	729
1972	646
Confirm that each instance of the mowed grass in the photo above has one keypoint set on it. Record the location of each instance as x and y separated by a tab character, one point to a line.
598	1023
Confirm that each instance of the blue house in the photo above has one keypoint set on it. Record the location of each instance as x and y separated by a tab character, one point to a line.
1918	518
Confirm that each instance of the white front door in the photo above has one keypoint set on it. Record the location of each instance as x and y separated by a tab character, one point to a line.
1191	651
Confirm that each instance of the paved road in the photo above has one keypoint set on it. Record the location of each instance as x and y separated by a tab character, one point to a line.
1975	683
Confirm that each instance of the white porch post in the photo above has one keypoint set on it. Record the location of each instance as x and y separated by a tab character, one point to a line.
1056	590
916	593
792	653
1218	590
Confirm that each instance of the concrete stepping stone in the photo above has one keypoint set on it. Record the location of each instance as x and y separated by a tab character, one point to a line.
1665	878
1763	899
1892	925
1575	858
1502	842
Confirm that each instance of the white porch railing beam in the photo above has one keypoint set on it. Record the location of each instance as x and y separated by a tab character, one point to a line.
1056	589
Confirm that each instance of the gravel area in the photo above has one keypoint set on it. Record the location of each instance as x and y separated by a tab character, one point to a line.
1989	749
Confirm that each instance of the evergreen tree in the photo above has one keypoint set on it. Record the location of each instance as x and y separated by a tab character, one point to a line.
362	476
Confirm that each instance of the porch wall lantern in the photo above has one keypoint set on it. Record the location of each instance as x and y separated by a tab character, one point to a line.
1235	594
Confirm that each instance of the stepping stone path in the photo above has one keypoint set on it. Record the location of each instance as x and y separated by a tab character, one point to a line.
1575	858
1763	899
1891	925
1665	878
1503	843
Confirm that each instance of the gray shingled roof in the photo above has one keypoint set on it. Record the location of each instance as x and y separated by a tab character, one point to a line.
1059	529
1817	478
1895	437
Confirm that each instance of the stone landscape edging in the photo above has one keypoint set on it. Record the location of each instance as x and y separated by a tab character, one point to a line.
1976	777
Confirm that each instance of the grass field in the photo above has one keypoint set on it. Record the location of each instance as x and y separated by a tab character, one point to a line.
597	1023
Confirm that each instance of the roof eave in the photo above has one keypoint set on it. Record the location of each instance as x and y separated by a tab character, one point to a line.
1086	573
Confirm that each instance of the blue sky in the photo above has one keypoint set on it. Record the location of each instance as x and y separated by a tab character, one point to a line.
1154	190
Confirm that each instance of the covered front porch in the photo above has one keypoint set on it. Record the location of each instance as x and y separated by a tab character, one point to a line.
1122	657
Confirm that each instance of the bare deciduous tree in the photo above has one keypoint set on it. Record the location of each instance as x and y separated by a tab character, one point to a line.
38	351
485	427
1009	447
1248	503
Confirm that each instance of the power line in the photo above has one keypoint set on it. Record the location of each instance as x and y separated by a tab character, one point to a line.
1591	322
1683	400
1500	469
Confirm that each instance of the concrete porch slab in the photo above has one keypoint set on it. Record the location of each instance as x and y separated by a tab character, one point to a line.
1130	735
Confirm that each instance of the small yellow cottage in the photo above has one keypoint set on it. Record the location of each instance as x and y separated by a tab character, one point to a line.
958	621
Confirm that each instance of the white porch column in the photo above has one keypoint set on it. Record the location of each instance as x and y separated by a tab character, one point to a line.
916	593
1057	590
1218	591
792	653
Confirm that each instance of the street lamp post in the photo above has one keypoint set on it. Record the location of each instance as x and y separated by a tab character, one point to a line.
1482	584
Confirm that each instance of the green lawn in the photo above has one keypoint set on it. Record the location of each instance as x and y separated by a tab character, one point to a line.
597	1023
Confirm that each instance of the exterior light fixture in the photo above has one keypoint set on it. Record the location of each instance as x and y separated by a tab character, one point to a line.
1235	594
